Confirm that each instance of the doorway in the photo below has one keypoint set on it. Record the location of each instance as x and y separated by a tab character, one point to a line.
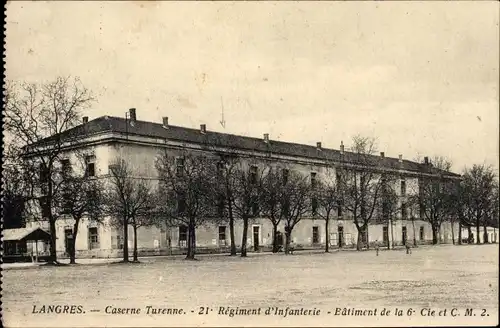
340	230
256	238
404	236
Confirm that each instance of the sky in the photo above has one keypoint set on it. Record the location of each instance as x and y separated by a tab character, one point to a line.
421	77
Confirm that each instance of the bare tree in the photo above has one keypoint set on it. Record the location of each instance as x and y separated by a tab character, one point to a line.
361	186
245	182
186	191
81	196
270	198
327	195
295	203
390	205
129	198
14	193
226	167
479	188
41	118
436	195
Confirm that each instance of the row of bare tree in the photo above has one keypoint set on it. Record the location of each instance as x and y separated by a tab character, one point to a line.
191	190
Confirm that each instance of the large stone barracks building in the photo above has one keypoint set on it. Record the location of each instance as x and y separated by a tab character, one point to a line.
139	143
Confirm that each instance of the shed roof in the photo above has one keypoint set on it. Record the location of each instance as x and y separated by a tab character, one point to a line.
25	234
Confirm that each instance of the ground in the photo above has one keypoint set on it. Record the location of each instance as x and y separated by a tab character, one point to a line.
440	277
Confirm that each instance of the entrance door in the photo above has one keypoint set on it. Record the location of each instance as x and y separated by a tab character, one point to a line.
404	235
68	235
256	234
341	236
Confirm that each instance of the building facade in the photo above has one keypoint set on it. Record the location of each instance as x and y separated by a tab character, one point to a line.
107	139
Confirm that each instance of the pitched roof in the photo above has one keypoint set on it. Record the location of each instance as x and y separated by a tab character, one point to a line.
156	130
25	234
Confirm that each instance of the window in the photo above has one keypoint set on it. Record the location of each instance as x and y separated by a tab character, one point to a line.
93	238
181	204
314	205
385	235
179	162
403	187
113	169
339	209
65	166
364	236
220	205
44	173
222	235
315	235
119	241
253	174
255	207
422	233
183	232
285	174
220	169
285	208
404	211
44	206
66	202
313	179
90	169
68	235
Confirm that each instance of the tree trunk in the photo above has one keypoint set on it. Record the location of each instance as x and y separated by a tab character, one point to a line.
191	251
327	235
287	241
459	232
275	237
231	229
72	246
392	233
135	257
365	231
125	240
52	246
231	232
414	233
359	243
452	233
485	235
478	232
435	233
470	238
244	238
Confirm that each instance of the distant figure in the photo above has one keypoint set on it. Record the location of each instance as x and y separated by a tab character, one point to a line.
291	247
408	249
377	248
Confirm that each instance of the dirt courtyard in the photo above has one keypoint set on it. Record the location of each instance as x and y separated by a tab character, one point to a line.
209	290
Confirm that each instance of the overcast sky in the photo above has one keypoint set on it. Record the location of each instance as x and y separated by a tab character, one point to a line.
421	77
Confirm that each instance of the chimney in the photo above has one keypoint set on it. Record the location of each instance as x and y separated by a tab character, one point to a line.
132	115
266	137
85	119
342	147
165	122
318	145
203	128
426	160
382	154
400	158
